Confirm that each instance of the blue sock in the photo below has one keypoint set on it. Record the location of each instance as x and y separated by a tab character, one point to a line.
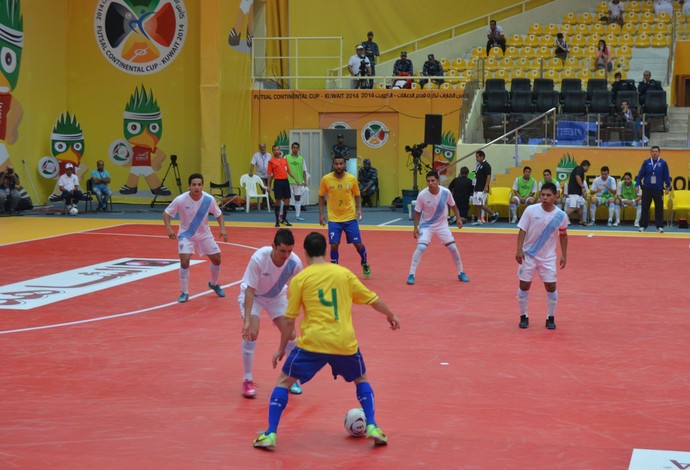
276	405
335	255
362	253
365	395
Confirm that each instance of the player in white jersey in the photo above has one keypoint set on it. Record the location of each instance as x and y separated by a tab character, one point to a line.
194	232
264	286
430	218
540	226
603	191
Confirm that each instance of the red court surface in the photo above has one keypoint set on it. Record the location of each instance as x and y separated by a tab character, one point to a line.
459	386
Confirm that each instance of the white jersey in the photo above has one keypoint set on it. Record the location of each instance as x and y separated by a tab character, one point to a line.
268	280
601	186
193	215
433	208
542	229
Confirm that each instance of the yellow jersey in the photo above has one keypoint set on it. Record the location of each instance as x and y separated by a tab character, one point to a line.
341	196
326	293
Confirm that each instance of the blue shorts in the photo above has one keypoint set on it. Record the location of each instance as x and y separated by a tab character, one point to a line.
351	229
303	365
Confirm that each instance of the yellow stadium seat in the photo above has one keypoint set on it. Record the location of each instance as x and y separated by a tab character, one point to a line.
626	40
462	85
523	63
569	73
629	28
527	52
681	202
614	28
664	28
453	76
642	40
621	65
584	75
496	52
611	40
570	18
553	75
680	17
598	28
599	73
501	74
547	40
535	28
512	51
531	40
445	86
587	18
645	28
550	29
491	63
532	74
458	64
593	39
518	73
444	64
631	17
488	74
576	52
506	63
624	52
566	29
499	197
572	62
380	86
602	8
647	17
429	86
634	6
516	40
544	52
647	6
663	17
553	63
414	86
582	28
472	62
579	40
660	40
591	52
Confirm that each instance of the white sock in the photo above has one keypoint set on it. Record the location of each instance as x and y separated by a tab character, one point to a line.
551	302
417	257
523	300
611	211
638	213
593	211
617	213
455	254
298	208
513	211
184	280
248	358
215	273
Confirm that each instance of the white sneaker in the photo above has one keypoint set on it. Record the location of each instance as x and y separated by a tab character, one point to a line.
513	220
609	224
616	224
590	223
477	222
637	223
642	229
660	229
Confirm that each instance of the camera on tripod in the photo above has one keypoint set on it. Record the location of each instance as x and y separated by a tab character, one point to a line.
416	150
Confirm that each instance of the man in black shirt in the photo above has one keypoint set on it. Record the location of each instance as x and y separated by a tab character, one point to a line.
461	188
577	191
371	50
481	189
340	149
647	83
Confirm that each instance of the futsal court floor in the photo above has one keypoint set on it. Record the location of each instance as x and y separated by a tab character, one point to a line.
102	368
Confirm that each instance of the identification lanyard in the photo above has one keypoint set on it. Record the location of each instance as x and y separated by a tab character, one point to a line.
654	165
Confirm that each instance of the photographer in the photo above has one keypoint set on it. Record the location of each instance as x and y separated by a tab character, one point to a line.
359	66
9	184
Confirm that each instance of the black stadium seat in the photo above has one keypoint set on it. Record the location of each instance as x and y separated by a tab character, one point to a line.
574	103
520	101
496	102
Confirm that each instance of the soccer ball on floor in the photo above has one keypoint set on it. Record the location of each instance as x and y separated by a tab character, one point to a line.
356	422
73	210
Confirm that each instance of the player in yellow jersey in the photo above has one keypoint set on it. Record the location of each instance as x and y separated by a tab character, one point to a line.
326	291
344	211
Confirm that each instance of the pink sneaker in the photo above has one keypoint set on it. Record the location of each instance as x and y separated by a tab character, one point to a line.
248	389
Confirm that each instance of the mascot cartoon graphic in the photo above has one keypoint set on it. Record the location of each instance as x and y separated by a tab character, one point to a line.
11	44
66	146
444	155
143	128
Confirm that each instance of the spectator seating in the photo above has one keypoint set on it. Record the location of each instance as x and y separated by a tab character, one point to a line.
574	103
655	106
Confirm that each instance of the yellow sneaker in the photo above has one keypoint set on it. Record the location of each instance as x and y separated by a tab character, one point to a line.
266	441
377	435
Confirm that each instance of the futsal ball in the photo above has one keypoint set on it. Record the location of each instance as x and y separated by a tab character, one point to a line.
356	422
73	211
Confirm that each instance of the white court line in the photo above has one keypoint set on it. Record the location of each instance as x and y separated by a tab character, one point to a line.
389	222
108	317
125	314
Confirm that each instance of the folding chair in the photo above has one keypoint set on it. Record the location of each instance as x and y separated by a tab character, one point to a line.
223	193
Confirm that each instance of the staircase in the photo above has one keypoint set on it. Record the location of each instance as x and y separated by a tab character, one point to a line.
677	135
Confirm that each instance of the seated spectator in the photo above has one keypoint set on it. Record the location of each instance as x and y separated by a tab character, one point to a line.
100	179
620	85
461	188
497	37
524	192
562	48
548	178
69	187
368	178
663	6
602	60
647	83
403	68
432	68
616	11
9	191
603	191
629	119
629	195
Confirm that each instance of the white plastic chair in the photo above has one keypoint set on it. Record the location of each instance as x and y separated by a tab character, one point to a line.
249	183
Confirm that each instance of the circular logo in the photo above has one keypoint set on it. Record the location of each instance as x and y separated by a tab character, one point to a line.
339	125
48	167
375	134
140	38
120	152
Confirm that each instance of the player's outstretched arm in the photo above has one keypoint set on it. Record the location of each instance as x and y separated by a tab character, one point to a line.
286	327
168	226
381	307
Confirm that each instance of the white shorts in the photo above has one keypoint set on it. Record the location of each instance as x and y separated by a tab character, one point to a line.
530	266
575	201
275	307
479	198
442	232
245	5
141	170
205	246
297	189
628	203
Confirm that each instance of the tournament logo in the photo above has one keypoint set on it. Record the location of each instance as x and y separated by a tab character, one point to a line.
339	125
141	37
375	134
